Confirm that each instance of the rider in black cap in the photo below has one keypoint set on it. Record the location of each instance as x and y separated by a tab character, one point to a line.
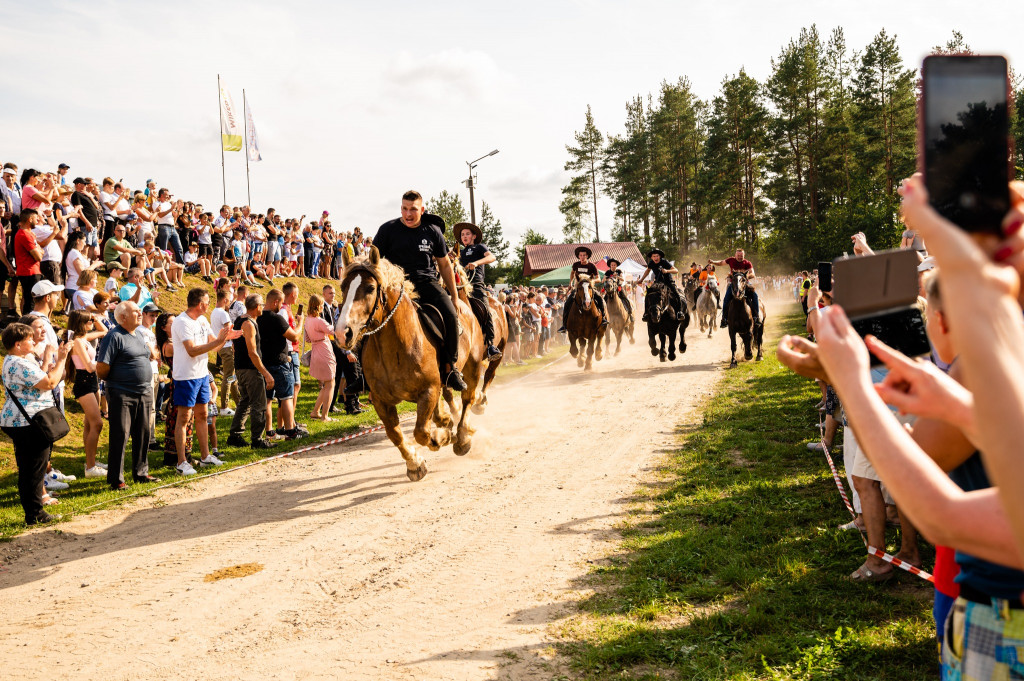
415	242
474	259
613	282
583	266
663	270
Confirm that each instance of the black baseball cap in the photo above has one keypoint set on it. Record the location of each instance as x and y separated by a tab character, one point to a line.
63	165
78	180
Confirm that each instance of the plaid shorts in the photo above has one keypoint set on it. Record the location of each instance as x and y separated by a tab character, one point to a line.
983	642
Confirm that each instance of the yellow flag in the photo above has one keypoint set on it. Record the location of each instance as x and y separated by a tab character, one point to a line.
230	132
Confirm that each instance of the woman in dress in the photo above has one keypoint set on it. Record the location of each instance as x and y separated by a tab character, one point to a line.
321	359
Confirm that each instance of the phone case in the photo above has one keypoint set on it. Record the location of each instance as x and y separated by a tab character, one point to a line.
869	285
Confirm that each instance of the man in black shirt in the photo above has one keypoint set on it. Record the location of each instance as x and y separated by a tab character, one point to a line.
253	377
583	266
663	271
89	223
417	245
613	282
475	258
276	338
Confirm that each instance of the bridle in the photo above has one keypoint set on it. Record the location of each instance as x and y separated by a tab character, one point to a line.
377	304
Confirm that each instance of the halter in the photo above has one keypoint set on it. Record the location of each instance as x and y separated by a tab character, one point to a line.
376	304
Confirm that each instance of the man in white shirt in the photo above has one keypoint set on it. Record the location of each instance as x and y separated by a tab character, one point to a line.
193	340
219	319
166	236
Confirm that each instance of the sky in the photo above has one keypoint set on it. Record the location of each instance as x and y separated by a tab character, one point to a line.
354	103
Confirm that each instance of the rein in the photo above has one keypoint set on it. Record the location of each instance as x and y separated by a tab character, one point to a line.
387	317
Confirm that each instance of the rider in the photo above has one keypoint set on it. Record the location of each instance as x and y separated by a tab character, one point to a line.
416	243
663	270
738	264
613	278
708	272
583	266
474	258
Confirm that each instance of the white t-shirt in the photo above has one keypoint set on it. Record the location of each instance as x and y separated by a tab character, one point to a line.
190	257
167	219
236	310
106	198
150	337
83	299
71	281
111	286
219	318
52	252
198	331
205	234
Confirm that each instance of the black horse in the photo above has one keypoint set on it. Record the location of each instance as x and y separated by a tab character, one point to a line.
662	322
748	324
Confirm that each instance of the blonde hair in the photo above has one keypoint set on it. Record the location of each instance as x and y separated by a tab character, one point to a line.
86	278
315	306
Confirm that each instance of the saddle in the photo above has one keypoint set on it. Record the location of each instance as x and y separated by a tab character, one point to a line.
431	321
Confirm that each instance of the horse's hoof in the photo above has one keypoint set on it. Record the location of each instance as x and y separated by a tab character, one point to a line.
733	364
417	474
759	358
462	450
573	351
671	356
654	353
580	361
748	356
478	408
664	359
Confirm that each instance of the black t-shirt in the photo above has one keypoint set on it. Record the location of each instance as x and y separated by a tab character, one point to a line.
242	359
472	254
411	248
274	347
590	269
89	207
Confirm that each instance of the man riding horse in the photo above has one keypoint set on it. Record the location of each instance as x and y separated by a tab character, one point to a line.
474	259
419	248
613	282
663	270
583	266
738	264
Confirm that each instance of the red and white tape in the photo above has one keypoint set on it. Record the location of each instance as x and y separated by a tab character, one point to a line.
888	558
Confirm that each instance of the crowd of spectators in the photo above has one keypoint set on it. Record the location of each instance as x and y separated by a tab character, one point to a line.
933	445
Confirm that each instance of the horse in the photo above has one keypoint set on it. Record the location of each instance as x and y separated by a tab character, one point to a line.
400	361
584	323
689	294
661	321
619	318
743	322
707	307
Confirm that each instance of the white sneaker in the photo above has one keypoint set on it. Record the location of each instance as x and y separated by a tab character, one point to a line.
101	465
57	475
185	468
54	484
227	411
95	472
210	460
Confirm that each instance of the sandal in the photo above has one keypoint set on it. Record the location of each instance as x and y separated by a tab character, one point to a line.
863	575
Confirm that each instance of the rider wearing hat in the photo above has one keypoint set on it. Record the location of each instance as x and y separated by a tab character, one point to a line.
613	278
582	266
415	242
474	259
663	270
738	264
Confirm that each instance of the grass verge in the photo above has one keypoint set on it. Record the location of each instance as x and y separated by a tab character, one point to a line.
732	566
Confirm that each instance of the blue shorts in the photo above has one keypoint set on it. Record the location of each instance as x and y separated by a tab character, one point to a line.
257	246
192	392
296	369
90	238
284	385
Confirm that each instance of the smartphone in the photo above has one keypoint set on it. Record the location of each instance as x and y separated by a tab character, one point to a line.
965	141
824	277
68	336
301	307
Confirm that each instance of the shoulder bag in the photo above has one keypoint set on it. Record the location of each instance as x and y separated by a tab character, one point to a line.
49	421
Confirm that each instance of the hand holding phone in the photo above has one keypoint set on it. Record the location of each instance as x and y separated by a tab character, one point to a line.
300	309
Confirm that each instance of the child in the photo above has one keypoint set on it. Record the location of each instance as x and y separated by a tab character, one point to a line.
113	283
294	256
211	418
197	265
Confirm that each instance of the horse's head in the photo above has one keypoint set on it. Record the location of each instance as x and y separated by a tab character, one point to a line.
365	282
739	283
712	283
584	291
656	302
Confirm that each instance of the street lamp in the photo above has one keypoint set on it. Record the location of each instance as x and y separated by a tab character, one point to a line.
469	183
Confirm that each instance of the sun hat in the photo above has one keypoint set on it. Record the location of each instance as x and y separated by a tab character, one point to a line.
583	249
477	234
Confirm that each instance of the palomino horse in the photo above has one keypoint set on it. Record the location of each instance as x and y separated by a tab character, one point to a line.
400	363
619	319
742	322
707	307
661	321
584	323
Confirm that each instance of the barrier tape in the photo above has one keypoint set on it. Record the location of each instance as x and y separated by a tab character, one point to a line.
872	551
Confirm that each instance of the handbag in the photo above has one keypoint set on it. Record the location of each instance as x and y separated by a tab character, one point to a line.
49	421
306	354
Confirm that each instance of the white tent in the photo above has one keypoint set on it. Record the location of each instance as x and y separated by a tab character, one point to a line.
631	269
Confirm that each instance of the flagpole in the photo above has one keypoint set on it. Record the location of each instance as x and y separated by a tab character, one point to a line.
220	112
245	124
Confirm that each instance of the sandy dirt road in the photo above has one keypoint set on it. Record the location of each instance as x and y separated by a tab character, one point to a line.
361	574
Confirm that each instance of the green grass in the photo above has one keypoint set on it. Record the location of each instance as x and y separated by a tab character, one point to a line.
732	566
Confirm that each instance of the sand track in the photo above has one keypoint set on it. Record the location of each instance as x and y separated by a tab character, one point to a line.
364	574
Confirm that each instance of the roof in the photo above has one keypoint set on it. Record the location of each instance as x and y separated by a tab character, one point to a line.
543	258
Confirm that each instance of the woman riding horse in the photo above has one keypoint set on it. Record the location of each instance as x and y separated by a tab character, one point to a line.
613	282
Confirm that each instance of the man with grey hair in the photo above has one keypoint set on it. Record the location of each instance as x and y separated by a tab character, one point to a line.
122	360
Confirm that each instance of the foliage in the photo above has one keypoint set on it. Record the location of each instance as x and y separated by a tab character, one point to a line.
449	207
532	237
585	160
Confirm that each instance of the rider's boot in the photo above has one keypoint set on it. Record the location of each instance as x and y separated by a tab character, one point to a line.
453	379
725	322
493	352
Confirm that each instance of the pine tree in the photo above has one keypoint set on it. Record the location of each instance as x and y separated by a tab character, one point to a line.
449	207
574	208
585	159
493	237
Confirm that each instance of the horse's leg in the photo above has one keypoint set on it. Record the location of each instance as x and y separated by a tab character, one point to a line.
415	466
747	352
464	434
682	338
732	345
596	342
572	345
662	355
425	431
652	339
672	344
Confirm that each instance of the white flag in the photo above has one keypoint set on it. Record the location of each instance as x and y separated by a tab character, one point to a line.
230	135
252	145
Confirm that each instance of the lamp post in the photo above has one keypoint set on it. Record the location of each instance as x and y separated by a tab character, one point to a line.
469	183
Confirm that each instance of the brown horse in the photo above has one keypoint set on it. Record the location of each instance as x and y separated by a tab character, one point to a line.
400	362
584	323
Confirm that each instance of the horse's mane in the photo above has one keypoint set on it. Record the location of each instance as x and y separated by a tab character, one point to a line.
461	275
387	273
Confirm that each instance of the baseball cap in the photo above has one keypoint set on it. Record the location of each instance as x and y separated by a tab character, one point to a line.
63	165
45	288
151	307
150	181
10	171
78	180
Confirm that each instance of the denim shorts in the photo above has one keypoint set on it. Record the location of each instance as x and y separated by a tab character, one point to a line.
90	238
296	368
284	385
